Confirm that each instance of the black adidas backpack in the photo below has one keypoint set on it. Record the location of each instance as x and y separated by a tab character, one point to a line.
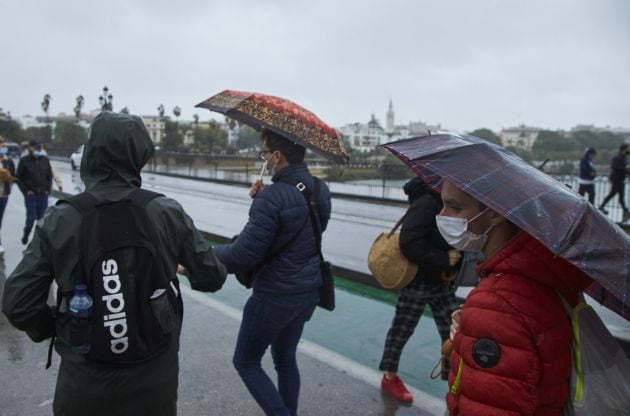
137	306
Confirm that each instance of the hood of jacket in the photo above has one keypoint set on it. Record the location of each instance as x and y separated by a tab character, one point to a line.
589	151
415	188
117	148
527	257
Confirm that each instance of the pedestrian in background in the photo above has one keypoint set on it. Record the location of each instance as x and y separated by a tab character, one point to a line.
618	172
7	173
279	245
35	181
421	243
587	175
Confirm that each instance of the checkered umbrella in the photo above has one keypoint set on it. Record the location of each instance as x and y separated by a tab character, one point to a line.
282	116
535	202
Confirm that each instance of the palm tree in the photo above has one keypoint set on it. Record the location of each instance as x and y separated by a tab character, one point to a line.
196	119
177	111
161	111
46	104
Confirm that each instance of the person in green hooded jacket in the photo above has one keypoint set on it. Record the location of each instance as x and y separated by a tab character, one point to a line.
117	148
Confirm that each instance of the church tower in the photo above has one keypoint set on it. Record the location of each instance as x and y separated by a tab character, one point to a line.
390	117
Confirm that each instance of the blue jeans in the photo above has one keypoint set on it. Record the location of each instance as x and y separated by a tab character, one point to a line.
3	205
277	321
35	207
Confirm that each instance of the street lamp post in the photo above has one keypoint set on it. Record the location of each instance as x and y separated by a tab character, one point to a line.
106	100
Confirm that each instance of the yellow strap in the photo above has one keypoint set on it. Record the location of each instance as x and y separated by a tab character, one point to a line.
458	377
579	385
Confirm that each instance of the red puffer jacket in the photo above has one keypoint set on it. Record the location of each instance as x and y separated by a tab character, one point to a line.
512	355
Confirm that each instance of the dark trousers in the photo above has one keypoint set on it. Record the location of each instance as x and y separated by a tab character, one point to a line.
3	205
277	321
588	189
618	188
35	207
86	389
409	308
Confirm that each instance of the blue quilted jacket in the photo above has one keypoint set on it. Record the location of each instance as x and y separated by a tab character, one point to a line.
279	215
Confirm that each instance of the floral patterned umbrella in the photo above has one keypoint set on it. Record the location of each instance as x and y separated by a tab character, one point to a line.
281	116
535	202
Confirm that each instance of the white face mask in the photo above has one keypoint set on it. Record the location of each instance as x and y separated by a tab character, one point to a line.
455	232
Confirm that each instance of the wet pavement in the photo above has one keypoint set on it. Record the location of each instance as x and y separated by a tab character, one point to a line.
332	382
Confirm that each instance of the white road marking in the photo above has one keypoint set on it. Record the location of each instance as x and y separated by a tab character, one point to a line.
45	403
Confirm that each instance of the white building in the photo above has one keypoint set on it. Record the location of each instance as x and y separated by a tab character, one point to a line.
522	137
155	126
390	117
28	121
364	137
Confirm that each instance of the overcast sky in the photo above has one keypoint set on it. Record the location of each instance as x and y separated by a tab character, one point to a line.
464	64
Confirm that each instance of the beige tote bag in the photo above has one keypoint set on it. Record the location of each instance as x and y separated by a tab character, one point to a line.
388	265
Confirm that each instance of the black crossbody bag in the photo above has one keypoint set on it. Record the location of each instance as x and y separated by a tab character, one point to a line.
327	290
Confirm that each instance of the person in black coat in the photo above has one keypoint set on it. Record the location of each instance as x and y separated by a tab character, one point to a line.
35	181
587	175
618	172
422	243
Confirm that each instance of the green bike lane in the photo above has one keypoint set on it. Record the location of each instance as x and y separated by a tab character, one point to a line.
356	331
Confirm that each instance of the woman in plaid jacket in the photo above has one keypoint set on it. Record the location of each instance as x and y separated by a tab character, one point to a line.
421	243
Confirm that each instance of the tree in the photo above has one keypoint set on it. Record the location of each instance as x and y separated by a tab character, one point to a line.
177	111
247	138
46	104
210	140
554	145
173	138
486	134
10	130
69	135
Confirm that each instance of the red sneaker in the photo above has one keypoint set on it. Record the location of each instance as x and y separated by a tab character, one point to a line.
396	388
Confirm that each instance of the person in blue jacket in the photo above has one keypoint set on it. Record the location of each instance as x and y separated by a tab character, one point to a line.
278	244
587	175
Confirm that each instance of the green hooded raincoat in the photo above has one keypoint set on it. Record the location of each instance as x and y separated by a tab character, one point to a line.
118	147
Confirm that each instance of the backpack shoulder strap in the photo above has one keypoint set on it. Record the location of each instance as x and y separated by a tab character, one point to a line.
83	202
142	196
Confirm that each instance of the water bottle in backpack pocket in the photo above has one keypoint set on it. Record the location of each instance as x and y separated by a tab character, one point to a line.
80	310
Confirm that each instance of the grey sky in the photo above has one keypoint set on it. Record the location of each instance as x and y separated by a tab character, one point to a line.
465	64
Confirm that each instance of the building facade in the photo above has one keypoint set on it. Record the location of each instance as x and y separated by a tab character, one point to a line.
520	137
